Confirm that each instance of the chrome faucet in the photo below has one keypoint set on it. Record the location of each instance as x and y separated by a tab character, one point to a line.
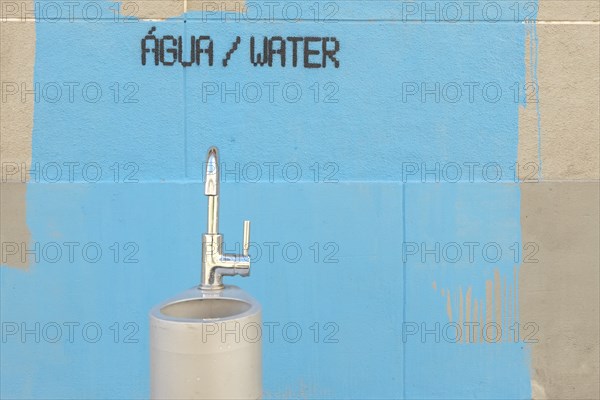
215	264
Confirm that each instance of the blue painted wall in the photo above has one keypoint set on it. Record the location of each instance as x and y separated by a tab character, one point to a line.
367	139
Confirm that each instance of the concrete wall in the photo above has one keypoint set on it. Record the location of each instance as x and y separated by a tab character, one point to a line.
377	251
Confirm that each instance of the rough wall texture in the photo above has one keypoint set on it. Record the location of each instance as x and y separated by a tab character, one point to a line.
552	130
561	137
561	291
16	125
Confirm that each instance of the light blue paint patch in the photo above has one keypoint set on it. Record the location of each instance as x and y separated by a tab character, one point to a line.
371	130
309	117
439	220
315	300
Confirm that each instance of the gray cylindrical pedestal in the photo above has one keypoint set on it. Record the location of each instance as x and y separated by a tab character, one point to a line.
206	344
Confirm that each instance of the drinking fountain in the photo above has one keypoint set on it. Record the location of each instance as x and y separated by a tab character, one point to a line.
205	343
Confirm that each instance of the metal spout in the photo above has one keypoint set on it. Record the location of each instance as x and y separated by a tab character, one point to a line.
211	189
215	264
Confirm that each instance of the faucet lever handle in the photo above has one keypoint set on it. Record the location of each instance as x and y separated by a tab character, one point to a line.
246	243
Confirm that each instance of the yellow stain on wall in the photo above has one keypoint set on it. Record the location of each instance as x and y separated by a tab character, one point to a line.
490	319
